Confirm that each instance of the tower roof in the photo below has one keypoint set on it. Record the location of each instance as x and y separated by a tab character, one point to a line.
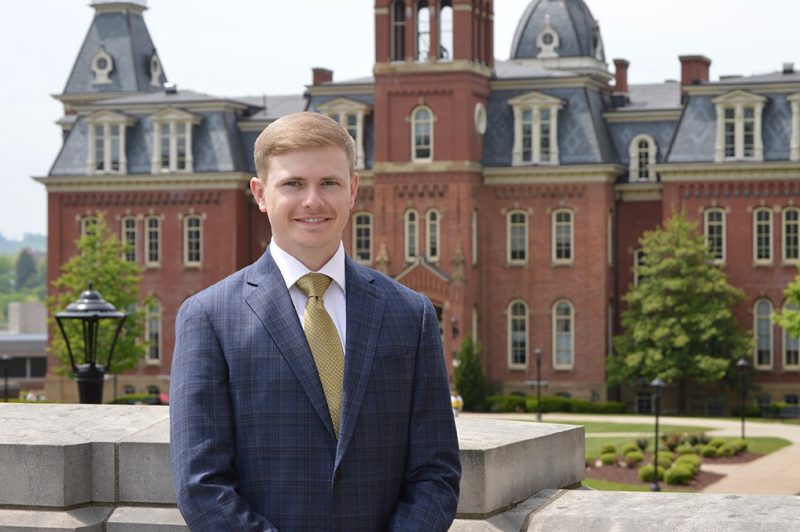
557	28
118	54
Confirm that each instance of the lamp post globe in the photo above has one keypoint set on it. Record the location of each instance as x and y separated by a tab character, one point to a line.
657	384
90	310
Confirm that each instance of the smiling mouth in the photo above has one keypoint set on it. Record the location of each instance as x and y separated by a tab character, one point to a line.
312	220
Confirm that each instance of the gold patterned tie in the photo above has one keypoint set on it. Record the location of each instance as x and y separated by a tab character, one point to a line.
324	341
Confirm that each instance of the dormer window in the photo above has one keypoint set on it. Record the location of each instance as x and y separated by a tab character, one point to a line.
106	154
535	129
172	141
739	127
102	65
642	151
548	40
350	114
794	143
155	70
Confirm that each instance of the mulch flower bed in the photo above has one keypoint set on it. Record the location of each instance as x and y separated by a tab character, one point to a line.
616	473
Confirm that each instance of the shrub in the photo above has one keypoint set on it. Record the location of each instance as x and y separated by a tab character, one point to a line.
740	444
698	448
692	461
608	458
726	450
507	403
469	378
666	457
717	442
642	443
684	449
633	458
671	441
696	438
590	460
646	473
678	475
608	448
628	447
557	403
709	451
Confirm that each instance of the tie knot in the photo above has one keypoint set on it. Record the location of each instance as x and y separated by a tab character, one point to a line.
314	284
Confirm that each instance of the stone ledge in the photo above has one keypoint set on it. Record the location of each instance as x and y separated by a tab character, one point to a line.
88	519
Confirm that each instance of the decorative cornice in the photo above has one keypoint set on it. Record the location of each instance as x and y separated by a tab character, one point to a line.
340	89
414	67
253	125
741	171
412	91
578	82
136	198
435	166
420	190
633	192
151	108
124	182
516	192
737	189
590	173
654	115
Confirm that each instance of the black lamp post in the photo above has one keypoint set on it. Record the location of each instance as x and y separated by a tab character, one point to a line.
742	366
89	310
657	384
5	360
538	353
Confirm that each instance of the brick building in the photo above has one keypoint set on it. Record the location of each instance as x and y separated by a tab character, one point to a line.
512	193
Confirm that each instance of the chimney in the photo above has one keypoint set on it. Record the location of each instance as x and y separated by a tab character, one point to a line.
621	83
788	68
694	69
321	75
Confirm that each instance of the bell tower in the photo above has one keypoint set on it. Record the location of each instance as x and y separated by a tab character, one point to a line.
433	64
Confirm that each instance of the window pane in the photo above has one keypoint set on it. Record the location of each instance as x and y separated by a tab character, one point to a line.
165	146
790	234
763	336
763	235
398	31
563	326
519	334
99	148
115	148
715	236
411	234
153	238
363	225
517	237
193	239
38	367
423	33
129	238
563	235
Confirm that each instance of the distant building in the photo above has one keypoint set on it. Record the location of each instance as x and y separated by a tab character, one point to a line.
512	193
25	342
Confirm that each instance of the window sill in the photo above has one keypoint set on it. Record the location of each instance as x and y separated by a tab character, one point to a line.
562	264
563	369
152	363
517	265
518	369
191	266
762	264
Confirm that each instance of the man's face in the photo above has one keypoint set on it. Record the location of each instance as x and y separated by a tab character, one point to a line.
307	195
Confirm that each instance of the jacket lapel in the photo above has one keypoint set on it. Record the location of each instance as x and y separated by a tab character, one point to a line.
364	316
270	301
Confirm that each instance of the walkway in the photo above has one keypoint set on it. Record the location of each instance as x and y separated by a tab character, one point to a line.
775	474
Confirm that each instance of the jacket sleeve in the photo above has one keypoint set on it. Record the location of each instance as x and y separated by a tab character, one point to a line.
201	430
433	471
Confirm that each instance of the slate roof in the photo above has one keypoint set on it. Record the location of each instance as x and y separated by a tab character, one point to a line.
578	31
665	95
516	69
181	97
275	106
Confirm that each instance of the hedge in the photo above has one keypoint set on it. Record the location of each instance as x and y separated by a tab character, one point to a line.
678	475
507	403
646	473
608	458
634	458
556	403
692	461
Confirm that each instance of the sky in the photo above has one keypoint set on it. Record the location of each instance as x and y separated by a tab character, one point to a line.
253	47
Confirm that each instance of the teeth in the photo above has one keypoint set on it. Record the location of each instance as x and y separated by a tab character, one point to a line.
313	220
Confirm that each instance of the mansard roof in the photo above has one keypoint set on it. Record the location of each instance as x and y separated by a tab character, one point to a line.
577	30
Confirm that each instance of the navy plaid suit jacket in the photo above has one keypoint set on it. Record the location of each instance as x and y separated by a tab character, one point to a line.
252	443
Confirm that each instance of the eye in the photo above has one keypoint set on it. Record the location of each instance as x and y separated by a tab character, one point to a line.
330	182
292	183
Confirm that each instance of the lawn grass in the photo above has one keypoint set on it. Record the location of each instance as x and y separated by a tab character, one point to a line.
604	485
607	426
766	444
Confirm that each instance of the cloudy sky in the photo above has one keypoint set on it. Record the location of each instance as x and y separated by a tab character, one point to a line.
241	47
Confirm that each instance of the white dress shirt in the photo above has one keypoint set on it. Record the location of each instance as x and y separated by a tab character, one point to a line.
334	298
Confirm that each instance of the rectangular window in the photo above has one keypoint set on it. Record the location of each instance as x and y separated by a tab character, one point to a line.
129	238
474	225
411	235
517	237
563	335
362	238
527	135
562	235
763	332
638	263
165	147
115	148
715	234
791	232
544	136
792	347
433	236
749	125
153	241
730	132
193	241
518	335
154	335
644	403
99	148
762	235
180	139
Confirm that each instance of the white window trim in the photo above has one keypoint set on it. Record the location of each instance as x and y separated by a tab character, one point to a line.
738	100
84	224
413	120
553	241
355	237
509	352
638	255
554	315
147	262
437	233
633	153
123	237
535	102
156	311
794	142
474	330
785	259
768	260
338	109
474	227
106	120
172	117
509	260
185	221
706	214
406	223
786	365
755	336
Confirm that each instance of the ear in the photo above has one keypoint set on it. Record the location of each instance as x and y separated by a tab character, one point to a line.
257	187
353	189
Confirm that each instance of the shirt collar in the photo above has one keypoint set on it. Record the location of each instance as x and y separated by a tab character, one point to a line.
292	269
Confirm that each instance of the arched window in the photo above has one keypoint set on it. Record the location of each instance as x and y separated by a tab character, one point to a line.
715	234
422	134
412	234
433	230
642	152
446	30
791	346
563	335
791	234
88	225
517	237
562	236
518	335
423	30
362	237
398	30
153	333
762	329
762	235
129	238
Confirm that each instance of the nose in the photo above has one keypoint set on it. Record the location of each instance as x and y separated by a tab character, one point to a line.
312	198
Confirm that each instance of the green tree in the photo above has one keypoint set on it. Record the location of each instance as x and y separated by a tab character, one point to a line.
6	274
470	380
679	323
789	317
25	270
99	261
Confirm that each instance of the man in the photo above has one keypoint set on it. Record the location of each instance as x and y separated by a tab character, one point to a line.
310	408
